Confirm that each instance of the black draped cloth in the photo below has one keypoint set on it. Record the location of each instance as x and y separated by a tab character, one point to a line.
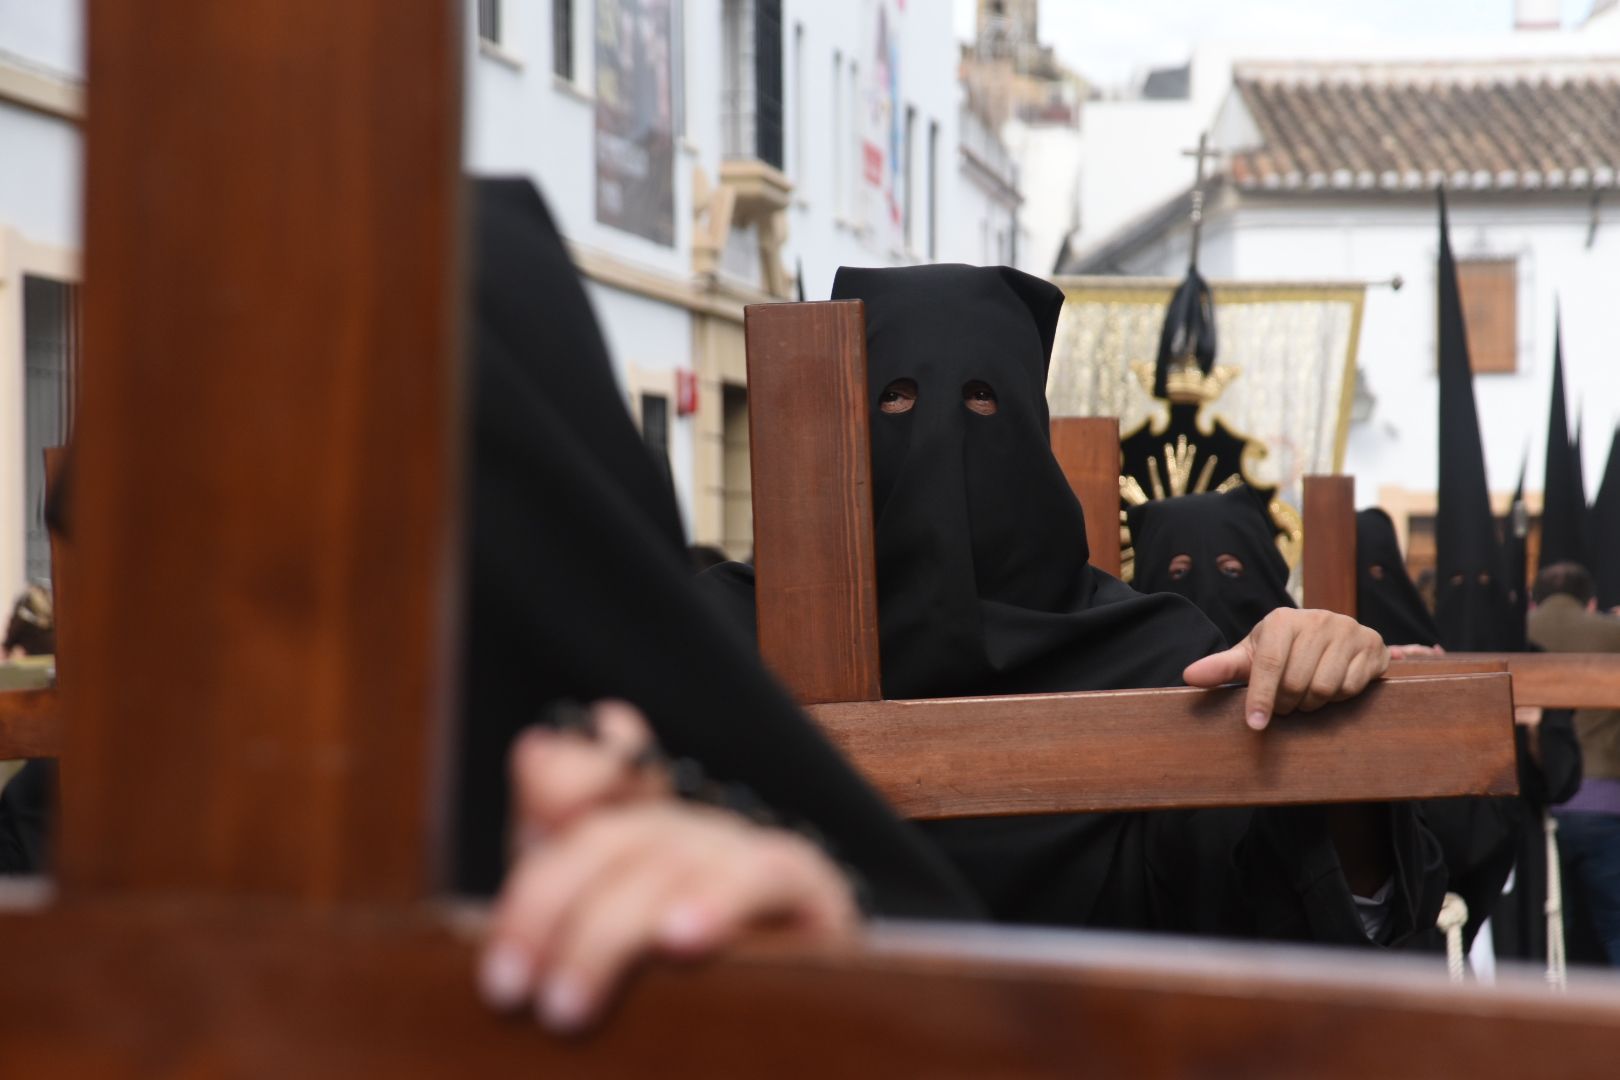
578	587
1219	551
27	812
1474	596
984	588
1481	838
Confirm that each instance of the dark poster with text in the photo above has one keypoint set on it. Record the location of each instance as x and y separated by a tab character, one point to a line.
635	158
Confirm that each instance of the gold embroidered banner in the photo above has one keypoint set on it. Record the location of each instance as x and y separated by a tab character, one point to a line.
1293	346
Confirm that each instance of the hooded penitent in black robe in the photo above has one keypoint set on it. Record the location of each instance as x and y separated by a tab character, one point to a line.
1481	838
1203	528
1478	609
1474	606
1386	598
1563	511
578	587
984	588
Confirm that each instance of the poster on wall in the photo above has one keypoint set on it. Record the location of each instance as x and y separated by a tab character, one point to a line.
882	128
635	146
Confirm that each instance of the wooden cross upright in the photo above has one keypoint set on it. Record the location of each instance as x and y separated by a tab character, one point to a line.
259	659
1087	448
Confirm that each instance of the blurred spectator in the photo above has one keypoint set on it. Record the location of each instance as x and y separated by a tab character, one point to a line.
1564	618
31	630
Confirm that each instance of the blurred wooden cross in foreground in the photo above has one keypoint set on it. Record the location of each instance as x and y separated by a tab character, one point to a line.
255	714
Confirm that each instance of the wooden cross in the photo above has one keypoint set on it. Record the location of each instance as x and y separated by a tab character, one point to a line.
815	568
1548	680
263	514
1202	153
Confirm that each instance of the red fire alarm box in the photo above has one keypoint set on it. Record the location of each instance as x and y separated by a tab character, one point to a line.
686	392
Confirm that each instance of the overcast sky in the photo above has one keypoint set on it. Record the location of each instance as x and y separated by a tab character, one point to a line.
1108	40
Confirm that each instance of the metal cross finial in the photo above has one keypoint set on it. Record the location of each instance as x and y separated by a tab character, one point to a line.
1203	153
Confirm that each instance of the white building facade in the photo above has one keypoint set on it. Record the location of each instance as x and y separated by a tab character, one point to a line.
41	102
1526	147
701	154
697	155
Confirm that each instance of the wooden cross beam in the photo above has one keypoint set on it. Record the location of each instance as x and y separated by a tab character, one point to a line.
243	995
1548	680
258	662
817	614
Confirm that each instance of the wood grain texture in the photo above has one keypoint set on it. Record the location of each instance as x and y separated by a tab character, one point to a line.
1330	544
1160	749
814	555
30	724
265	448
1550	680
181	991
1087	447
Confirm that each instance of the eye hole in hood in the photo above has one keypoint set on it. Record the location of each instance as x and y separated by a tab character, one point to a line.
979	397
900	396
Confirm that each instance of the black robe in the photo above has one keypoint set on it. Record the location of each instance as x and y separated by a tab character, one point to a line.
984	588
1203	529
1481	838
577	585
27	814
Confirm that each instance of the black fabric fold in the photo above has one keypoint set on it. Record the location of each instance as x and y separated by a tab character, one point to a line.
577	586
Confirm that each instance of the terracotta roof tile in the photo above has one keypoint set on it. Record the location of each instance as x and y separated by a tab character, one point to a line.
1403	129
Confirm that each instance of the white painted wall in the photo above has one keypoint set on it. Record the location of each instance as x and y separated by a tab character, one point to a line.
46	34
41	160
522	120
829	226
1347	239
40	155
1048	158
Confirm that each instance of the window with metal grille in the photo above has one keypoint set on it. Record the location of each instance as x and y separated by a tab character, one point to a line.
50	358
751	83
655	423
1490	303
562	38
489	20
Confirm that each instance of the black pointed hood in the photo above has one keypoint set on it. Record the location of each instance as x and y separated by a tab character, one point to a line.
1473	609
1386	599
1606	530
1203	528
983	582
1563	510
